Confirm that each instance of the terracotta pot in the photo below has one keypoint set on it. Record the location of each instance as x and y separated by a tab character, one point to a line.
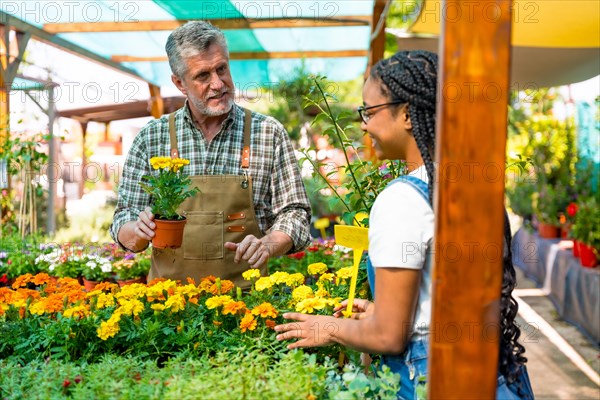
141	279
89	285
588	256
576	246
168	233
565	229
547	231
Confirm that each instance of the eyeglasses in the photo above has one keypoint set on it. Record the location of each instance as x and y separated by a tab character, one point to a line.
364	111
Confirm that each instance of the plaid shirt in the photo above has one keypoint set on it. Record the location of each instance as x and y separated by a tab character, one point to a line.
280	200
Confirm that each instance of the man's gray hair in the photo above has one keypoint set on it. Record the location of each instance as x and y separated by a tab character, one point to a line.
189	40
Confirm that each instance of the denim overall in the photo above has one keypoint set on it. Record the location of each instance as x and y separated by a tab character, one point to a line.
412	363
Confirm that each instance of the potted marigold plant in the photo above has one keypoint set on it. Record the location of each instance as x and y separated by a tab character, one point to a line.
169	187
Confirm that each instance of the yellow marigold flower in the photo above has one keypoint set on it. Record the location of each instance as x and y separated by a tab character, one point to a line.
233	307
217	301
326	277
177	163
131	307
279	277
251	274
157	307
295	279
344	273
77	312
160	162
176	303
107	330
334	302
263	283
265	310
321	292
302	292
248	323
187	290
308	306
317	268
105	300
38	308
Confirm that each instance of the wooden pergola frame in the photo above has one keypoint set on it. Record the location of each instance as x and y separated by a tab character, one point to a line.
468	208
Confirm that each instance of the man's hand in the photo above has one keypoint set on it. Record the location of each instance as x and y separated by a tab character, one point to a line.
135	235
251	250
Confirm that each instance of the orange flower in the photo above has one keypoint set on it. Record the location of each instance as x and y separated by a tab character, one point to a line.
248	323
270	324
233	307
41	278
265	310
22	281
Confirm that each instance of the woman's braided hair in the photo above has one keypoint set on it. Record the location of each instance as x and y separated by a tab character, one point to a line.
411	77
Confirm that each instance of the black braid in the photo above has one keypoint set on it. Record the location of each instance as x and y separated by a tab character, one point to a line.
411	76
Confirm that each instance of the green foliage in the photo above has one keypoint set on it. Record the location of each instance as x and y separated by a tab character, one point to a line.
249	374
133	266
169	187
586	228
364	180
19	255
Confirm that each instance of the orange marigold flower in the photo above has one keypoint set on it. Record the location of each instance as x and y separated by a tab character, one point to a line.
270	323
248	323
265	310
217	323
191	281
41	278
233	307
22	281
155	281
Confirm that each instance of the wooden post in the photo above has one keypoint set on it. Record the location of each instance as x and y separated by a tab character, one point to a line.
157	105
471	141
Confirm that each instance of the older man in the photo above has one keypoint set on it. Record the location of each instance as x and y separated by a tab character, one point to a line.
252	204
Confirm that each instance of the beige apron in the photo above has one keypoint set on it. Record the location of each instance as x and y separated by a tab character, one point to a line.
222	212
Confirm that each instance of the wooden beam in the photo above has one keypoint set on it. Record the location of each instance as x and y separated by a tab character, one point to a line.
63	44
223	24
469	203
16	53
258	55
378	42
156	103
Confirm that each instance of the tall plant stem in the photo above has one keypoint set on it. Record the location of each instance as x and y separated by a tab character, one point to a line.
339	135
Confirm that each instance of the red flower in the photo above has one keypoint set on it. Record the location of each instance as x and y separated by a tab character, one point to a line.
66	383
78	378
3	279
313	248
572	209
298	256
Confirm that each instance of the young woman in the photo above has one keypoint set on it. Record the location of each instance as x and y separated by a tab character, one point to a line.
399	115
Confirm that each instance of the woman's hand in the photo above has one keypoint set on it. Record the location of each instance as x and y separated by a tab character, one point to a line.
360	309
312	330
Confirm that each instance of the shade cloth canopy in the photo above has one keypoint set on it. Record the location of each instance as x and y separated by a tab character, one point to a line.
267	39
554	42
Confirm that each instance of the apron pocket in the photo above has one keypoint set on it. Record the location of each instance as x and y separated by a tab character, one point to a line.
203	237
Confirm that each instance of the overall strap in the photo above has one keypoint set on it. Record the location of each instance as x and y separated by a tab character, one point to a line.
419	185
247	131
173	136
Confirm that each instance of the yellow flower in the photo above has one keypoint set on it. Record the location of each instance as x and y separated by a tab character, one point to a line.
295	279
38	308
157	307
217	301
302	292
77	312
263	283
308	306
317	268
233	307
248	323
177	163
279	277
105	300
344	273
160	162
107	330
321	292
251	273
265	310
131	307
326	277
176	303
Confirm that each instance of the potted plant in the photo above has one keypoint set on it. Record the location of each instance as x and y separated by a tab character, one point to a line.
95	269
586	231
169	187
550	201
132	269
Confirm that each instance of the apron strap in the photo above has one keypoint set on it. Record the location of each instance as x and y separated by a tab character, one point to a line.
247	130
173	136
246	150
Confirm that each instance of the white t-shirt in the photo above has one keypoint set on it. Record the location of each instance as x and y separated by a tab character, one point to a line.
401	236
